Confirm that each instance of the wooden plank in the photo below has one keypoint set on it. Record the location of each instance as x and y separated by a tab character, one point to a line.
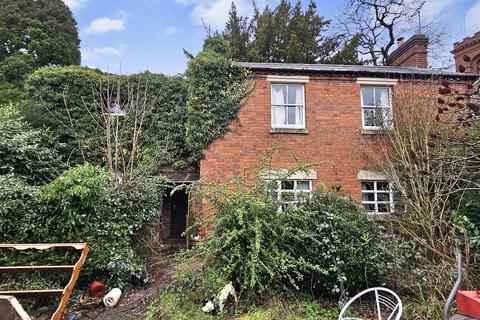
42	246
28	293
26	269
69	288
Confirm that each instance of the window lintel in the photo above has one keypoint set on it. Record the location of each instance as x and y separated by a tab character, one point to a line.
371	175
287	79
275	174
377	81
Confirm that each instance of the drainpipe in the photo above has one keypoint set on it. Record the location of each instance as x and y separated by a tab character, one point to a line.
455	287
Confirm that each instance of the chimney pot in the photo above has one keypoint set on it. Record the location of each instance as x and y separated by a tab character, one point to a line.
400	41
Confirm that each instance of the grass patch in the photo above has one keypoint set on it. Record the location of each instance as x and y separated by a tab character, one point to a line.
177	306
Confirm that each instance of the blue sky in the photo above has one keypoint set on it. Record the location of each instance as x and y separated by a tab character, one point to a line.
131	36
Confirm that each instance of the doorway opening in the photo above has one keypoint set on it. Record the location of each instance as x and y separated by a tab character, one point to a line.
174	214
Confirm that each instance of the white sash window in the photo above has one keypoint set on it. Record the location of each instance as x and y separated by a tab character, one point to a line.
376	107
288	106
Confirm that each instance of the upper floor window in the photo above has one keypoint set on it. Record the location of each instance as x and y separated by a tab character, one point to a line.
376	107
377	196
288	106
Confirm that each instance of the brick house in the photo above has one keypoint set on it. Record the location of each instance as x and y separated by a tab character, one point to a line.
326	114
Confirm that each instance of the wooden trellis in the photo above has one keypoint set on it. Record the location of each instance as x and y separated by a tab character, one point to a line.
63	293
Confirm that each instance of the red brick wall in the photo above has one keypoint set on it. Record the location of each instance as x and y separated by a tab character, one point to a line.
334	139
471	47
413	53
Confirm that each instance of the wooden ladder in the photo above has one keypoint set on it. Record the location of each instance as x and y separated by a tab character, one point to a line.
63	293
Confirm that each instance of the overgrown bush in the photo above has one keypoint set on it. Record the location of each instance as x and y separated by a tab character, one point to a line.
32	154
216	87
66	99
60	98
17	209
81	206
325	245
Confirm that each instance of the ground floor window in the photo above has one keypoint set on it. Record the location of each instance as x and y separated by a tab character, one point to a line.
292	192
377	196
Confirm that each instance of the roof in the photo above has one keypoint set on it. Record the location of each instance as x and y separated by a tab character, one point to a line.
384	71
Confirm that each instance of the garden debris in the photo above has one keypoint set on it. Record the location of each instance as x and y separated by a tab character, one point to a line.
97	289
208	307
112	298
227	297
227	300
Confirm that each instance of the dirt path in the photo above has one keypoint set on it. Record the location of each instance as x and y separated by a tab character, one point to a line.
134	303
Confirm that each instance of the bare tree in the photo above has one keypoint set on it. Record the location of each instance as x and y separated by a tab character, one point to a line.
414	159
458	110
380	22
124	110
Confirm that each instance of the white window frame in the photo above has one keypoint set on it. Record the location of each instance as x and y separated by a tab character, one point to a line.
295	191
389	107
375	191
287	126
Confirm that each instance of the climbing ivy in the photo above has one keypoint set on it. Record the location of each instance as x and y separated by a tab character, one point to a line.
216	88
187	113
61	98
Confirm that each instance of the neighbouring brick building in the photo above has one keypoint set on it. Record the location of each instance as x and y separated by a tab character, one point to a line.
470	47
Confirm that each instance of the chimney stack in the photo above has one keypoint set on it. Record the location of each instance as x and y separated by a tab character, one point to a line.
410	53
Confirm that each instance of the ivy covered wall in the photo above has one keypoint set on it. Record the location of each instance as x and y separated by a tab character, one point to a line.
188	111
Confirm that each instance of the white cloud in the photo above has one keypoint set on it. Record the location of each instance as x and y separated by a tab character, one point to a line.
75	4
107	51
472	20
215	12
169	30
96	53
105	24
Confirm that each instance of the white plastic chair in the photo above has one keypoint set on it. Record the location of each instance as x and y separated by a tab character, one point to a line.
388	305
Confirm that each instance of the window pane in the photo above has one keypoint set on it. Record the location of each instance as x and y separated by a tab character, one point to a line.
303	185
367	185
295	94
291	115
279	94
288	196
383	207
367	96
369	207
383	185
385	197
387	119
382	96
278	116
369	119
368	196
287	185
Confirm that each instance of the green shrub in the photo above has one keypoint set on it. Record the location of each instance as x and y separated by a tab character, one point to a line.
81	206
32	154
340	239
62	98
17	209
326	245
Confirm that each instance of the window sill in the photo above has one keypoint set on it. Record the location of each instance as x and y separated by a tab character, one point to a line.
380	217
372	131
289	130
